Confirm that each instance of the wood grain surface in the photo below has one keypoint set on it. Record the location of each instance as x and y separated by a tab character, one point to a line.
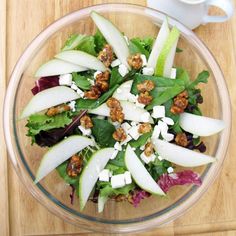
214	214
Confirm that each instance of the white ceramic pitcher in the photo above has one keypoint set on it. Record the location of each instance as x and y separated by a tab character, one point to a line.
193	13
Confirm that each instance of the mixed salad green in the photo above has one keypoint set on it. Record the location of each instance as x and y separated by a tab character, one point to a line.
118	117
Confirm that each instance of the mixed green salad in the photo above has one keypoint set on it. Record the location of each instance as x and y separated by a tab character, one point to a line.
118	116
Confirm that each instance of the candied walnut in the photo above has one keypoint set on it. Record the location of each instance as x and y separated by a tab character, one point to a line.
149	149
144	128
94	93
181	139
103	76
145	98
180	103
135	61
184	94
102	85
106	55
117	115
120	198
119	135
57	110
86	122
74	166
113	103
146	85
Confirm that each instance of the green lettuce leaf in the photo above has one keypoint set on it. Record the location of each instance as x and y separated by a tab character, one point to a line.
140	141
81	81
99	41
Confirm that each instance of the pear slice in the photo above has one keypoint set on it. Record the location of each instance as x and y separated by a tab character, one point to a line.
179	155
49	98
130	110
113	36
90	173
60	153
57	67
158	44
200	125
82	59
122	93
139	173
167	54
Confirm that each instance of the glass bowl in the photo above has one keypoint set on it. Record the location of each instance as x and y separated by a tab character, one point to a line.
52	192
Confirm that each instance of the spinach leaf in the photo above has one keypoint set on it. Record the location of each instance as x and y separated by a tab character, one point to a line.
99	41
136	47
119	160
201	78
81	81
178	50
102	131
116	170
140	141
73	41
115	78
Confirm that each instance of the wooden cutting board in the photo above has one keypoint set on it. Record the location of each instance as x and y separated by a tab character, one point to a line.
214	214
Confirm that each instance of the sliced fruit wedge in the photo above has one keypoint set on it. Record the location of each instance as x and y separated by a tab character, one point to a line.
130	110
139	173
82	59
113	36
167	54
58	67
60	153
49	98
158	44
90	173
200	125
122	93
101	203
179	155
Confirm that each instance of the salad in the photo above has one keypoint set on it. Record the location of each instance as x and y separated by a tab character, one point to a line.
118	116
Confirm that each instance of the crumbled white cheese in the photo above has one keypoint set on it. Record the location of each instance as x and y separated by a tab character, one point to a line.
128	179
163	127
96	73
72	105
145	117
80	92
133	132
156	132
167	120
74	86
173	73
142	148
144	59
123	70
114	154
126	126
167	136
85	131
147	159
128	138
65	79
115	63
126	39
148	71
118	181
104	175
118	146
170	170
158	112
133	123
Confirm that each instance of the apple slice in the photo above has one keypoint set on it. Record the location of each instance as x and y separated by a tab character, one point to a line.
60	153
139	173
167	54
158	44
49	98
122	93
113	36
101	203
82	59
90	173
58	67
179	155
200	125
130	110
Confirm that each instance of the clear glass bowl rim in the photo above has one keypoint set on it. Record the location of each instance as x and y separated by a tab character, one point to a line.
55	207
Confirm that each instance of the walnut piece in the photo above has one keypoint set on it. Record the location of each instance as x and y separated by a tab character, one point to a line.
94	93
145	128
149	149
103	86
117	115
113	103
146	85
86	122
181	139
180	103
103	76
106	55
57	110
135	61
145	98
119	135
74	165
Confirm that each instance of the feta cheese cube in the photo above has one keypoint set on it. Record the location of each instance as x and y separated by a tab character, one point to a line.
156	132
167	120
158	112
72	105
118	181
96	73
123	70
133	132
148	71
118	146
128	179
147	159
128	138
74	87
84	131
65	79
115	63
104	175
173	73
126	126
167	136
80	92
144	59
145	117
114	154
170	170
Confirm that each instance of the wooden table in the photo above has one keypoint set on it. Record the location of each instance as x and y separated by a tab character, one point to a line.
214	214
